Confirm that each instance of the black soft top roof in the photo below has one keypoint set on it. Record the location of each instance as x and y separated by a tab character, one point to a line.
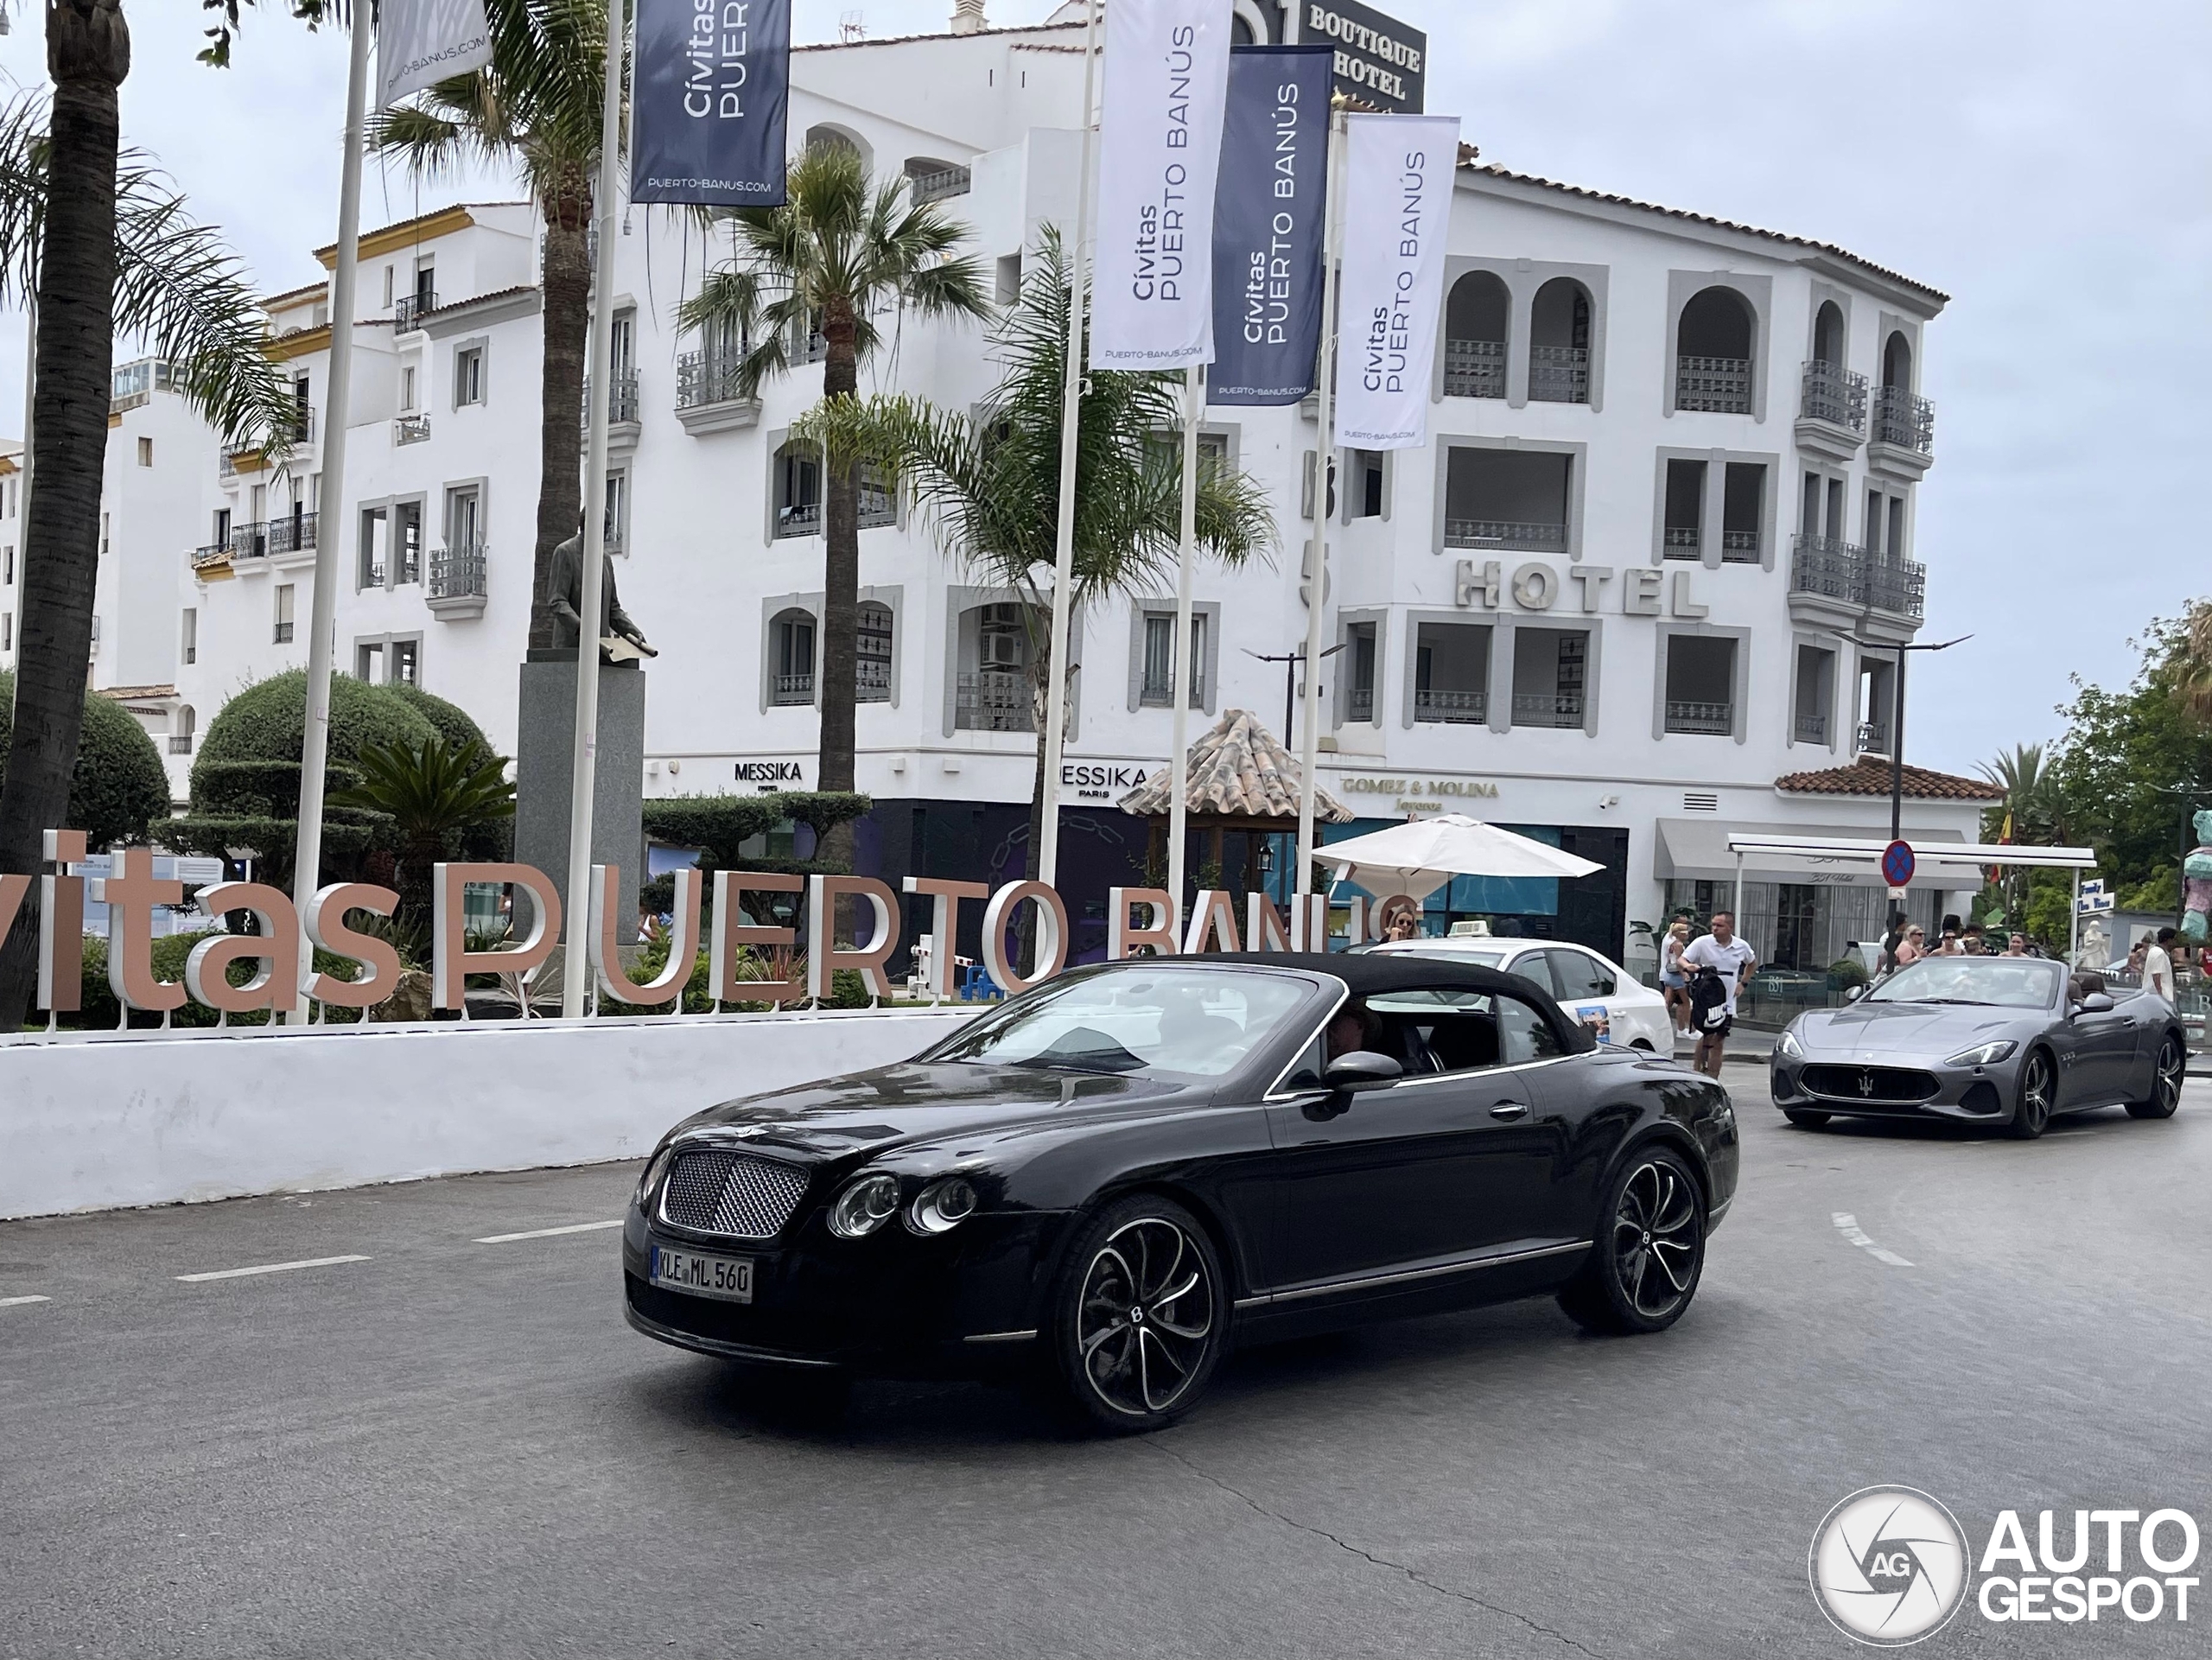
1372	973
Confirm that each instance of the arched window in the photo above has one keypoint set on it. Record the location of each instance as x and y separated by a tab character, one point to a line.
930	179
1712	353
1474	336
873	651
791	657
1896	361
1558	343
1828	344
1901	417
181	730
826	136
1832	393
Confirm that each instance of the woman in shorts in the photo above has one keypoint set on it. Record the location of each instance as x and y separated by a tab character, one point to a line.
1674	984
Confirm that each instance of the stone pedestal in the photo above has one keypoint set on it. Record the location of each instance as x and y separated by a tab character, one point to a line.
544	767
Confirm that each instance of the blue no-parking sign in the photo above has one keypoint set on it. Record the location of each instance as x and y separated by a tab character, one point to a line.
1898	864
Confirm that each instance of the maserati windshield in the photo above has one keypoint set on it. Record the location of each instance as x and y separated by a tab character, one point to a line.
1196	1022
1991	982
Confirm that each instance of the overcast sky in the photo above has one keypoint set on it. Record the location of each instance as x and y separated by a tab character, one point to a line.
2046	164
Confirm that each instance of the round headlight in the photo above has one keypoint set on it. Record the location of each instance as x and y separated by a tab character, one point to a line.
942	1206
656	1172
864	1205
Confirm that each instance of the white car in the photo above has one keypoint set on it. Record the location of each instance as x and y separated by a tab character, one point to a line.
1594	989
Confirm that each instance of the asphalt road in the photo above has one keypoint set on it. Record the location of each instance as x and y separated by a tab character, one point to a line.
457	1449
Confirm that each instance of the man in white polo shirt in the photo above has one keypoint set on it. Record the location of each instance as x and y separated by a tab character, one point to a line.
1732	959
2158	965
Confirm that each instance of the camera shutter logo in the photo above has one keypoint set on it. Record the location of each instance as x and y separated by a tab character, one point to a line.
1889	1566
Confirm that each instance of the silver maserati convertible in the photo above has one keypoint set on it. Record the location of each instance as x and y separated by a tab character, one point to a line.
2007	1041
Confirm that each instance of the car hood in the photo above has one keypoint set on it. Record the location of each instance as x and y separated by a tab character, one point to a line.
919	1101
1886	1032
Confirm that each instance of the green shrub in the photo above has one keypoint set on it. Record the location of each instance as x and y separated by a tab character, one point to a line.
120	788
1848	971
720	824
100	1007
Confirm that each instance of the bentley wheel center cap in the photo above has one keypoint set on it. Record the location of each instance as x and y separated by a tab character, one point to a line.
1647	1236
1136	1316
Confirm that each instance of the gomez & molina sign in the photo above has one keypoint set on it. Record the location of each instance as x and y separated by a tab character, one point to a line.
1379	60
1137	919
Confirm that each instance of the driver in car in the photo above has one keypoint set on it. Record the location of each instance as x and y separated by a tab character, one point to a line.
1355	1027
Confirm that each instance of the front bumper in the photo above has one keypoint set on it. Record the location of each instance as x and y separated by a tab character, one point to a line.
963	1301
1900	1087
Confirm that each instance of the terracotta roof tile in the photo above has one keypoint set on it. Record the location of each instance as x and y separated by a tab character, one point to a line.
1238	771
1872	778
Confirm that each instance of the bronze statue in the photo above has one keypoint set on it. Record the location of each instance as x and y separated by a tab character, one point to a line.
620	641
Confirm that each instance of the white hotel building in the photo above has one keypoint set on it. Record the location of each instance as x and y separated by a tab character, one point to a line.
1642	586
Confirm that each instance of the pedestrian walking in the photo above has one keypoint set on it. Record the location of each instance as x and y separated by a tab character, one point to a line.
1674	984
1724	961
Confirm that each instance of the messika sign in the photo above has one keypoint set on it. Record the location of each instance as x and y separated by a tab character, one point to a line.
1139	920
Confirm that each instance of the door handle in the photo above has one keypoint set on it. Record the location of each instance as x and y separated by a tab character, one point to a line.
1509	1109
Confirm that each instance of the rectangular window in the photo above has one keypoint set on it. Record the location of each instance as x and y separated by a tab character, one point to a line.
1367	476
791	655
7	566
387	285
407	388
1834	529
375	539
469	376
7	630
1159	689
1876	677
1508	498
1551	676
1683	532
798	492
406	662
284	614
1006	287
1451	673
407	541
368	662
189	642
145	452
465	517
617	511
1742	512
107	527
302	410
1874	521
426	285
1809	511
1895	545
1813	695
1701	684
1362	658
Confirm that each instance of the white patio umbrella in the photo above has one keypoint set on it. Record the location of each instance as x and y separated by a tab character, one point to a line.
1415	859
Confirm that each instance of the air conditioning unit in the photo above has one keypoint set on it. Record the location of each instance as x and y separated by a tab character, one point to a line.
1001	651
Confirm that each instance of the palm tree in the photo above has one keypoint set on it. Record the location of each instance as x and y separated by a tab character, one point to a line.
537	107
99	242
2189	660
838	253
990	487
2030	811
431	792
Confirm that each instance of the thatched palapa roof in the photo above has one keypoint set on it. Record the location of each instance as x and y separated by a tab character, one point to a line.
1237	771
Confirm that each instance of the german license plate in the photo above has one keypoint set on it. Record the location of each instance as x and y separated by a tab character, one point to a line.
729	1278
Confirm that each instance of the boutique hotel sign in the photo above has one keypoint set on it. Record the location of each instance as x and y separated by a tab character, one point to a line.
1139	920
1379	60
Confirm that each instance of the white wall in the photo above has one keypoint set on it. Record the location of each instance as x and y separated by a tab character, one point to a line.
93	1122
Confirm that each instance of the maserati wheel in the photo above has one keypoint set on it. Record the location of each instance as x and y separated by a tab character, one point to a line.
1139	1316
2166	1077
1643	1266
2039	1091
1805	1117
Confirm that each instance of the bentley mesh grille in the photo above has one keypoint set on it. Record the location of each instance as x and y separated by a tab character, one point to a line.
721	1191
1881	1084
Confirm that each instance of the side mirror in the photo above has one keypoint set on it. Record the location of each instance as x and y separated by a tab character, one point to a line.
2096	1003
1363	1068
1853	994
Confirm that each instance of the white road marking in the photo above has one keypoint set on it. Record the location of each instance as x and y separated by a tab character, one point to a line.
17	1302
547	1233
1847	1225
267	1267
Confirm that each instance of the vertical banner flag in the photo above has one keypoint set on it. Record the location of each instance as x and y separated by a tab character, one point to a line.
1267	226
1166	73
710	94
1397	209
421	42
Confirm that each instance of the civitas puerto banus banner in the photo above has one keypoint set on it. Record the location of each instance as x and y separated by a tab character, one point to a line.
1397	207
1267	229
1167	79
421	42
710	102
1140	921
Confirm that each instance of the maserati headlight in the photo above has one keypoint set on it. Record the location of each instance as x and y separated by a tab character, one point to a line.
1787	1048
864	1205
1988	1055
941	1205
656	1172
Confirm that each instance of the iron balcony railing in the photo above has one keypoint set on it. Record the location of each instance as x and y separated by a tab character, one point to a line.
1739	547
1159	689
1873	737
408	309
1905	420
1836	569
939	184
1710	720
1451	708
1361	700
300	428
621	403
872	678
411	429
878	507
410	560
293	535
1474	368
1559	374
1713	386
802	518
1683	541
458	573
703	377
1812	728
179	743
1504	533
994	700
283	633
258	538
1835	394
1548	708
790	690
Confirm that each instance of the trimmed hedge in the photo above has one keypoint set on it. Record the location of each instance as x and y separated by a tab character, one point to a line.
120	788
720	824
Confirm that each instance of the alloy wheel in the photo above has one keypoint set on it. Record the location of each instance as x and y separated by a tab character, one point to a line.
2034	1114
2173	1066
1655	1239
1146	1317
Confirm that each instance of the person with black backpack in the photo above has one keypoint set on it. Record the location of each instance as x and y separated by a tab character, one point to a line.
1720	963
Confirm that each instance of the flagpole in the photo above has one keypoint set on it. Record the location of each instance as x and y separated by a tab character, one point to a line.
1183	665
322	626
1318	579
577	955
1056	682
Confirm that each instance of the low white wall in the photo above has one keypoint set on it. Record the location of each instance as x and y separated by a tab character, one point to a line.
89	1122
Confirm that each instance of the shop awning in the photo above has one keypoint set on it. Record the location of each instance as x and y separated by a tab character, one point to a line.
1696	850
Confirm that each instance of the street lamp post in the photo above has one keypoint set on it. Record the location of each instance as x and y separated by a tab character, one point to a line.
1897	735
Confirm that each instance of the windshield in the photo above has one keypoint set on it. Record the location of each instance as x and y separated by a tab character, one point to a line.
1194	1022
1997	982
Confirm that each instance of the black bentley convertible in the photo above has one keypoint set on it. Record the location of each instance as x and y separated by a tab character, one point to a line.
1110	1179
